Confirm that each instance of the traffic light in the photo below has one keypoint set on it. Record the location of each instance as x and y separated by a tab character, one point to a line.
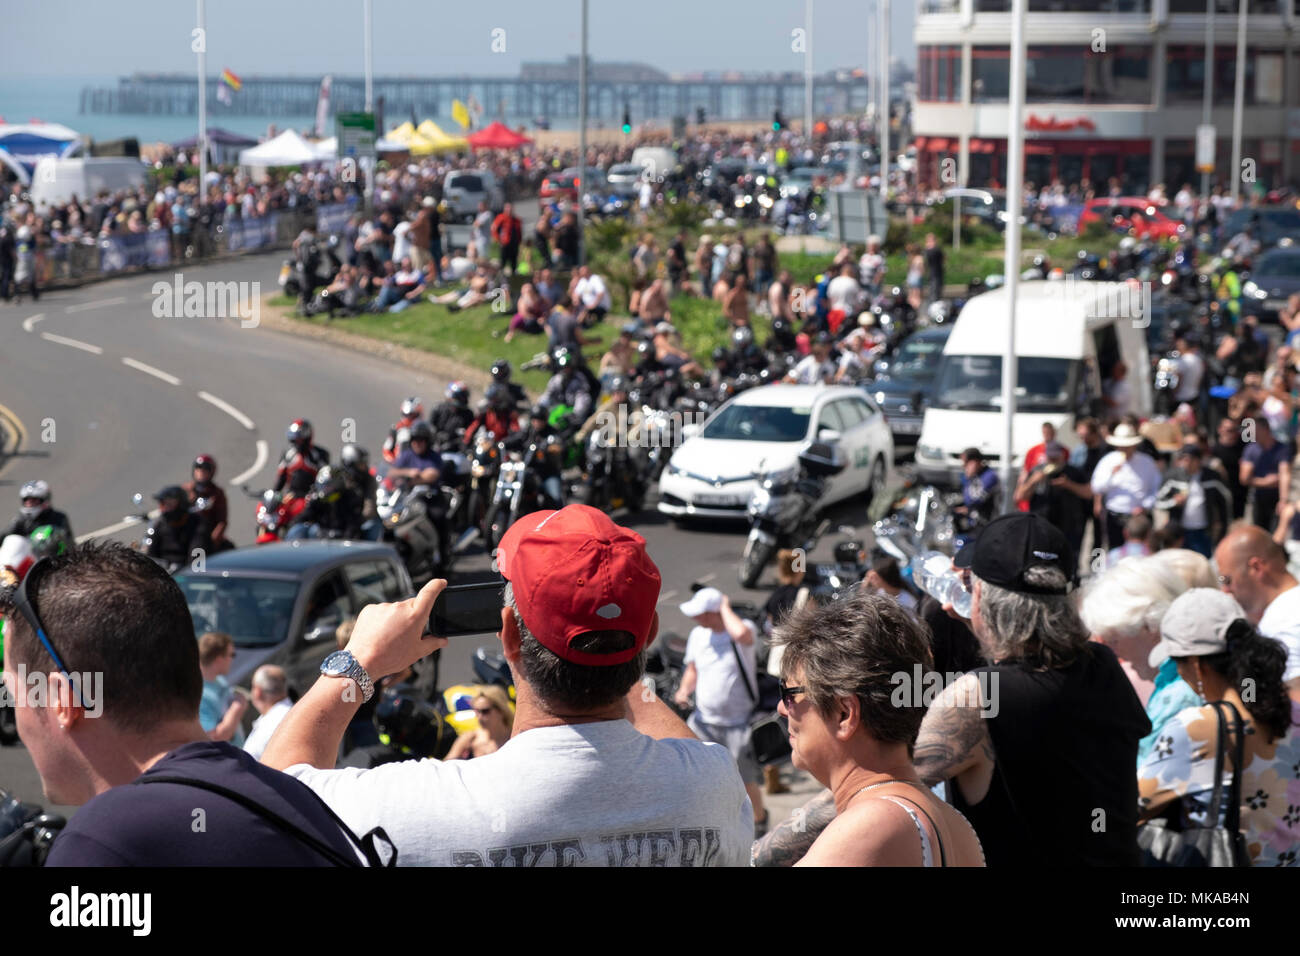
699	116
627	120
778	122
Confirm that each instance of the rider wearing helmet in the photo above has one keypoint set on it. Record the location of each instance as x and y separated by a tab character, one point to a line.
213	517
538	429
501	375
616	414
35	511
175	532
572	384
358	478
411	411
421	464
301	456
496	414
333	509
450	418
746	356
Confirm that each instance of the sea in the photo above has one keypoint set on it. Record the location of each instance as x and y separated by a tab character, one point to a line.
57	99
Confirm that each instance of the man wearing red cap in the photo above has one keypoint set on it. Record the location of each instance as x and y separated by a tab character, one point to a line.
597	772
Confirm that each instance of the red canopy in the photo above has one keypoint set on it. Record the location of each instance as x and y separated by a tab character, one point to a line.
497	136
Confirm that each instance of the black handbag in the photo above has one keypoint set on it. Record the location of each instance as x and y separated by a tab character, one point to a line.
768	733
1214	845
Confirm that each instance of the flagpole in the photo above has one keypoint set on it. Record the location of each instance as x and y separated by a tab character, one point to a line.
1011	263
582	139
203	105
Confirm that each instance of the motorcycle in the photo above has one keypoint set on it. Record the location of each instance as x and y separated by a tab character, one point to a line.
403	512
518	487
610	478
916	518
783	509
1167	380
26	832
275	513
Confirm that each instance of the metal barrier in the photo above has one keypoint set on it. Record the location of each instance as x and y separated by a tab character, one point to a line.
88	259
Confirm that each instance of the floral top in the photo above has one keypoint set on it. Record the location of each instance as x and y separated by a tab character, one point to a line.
1181	764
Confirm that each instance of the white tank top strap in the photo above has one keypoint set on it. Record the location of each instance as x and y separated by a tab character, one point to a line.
927	851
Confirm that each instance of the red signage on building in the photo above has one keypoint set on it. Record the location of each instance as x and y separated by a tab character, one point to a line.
1053	125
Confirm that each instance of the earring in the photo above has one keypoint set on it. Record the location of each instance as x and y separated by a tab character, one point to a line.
1199	689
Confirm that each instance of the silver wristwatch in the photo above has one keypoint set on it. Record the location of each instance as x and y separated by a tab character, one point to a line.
343	664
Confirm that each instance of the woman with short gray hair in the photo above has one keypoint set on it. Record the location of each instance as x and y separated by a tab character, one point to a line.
1123	607
852	690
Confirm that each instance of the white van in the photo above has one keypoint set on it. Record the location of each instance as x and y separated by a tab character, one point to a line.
1069	335
464	189
56	181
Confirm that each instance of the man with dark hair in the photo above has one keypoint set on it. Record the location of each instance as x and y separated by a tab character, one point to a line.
597	772
144	772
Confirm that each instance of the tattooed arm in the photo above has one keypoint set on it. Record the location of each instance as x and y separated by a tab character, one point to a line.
787	842
954	737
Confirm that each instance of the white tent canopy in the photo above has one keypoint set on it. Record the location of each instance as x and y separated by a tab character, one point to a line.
287	149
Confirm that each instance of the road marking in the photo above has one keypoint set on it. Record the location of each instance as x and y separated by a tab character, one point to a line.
667	596
98	303
708	577
262	454
20	436
84	346
229	409
31	320
150	370
114	528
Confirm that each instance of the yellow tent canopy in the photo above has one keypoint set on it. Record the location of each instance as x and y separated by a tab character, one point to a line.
441	140
426	139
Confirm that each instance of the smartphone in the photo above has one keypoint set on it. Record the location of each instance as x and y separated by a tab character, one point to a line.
465	609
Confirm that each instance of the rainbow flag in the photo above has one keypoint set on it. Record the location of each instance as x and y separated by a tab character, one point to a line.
231	80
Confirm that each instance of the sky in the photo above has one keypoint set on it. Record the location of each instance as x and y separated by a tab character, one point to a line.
434	37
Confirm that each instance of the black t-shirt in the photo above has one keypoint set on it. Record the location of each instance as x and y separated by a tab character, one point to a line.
1060	506
780	602
1066	745
1230	456
160	824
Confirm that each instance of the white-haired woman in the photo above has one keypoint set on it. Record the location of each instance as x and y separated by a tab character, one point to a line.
1123	608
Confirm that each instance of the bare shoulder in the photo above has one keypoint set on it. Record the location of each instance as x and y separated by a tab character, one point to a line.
872	832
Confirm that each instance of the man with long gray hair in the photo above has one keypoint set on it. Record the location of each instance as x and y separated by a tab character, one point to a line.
1043	766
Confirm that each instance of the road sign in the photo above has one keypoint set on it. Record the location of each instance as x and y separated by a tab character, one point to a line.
356	134
856	214
1206	142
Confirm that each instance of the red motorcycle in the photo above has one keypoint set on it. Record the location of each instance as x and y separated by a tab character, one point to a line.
275	513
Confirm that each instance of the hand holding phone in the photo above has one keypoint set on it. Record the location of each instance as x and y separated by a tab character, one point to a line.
468	609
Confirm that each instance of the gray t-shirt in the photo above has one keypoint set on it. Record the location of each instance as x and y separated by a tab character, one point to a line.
598	794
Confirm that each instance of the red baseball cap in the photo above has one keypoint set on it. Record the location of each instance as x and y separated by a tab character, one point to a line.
574	571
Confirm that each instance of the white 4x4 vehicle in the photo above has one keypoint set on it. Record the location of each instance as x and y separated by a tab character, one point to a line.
464	189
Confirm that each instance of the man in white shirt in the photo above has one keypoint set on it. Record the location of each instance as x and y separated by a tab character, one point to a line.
1252	568
871	267
1125	481
844	292
597	772
817	368
725	689
1191	369
271	700
593	297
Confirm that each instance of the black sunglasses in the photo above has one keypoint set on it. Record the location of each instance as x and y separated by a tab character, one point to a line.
787	694
24	606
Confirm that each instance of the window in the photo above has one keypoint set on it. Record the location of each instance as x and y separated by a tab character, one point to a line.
990	74
1185	73
852	412
758	423
328	606
938	74
974	383
374	582
830	418
1077	74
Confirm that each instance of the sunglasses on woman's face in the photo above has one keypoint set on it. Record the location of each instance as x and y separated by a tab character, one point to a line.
483	711
787	694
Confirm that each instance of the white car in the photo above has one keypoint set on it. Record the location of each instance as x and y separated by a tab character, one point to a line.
713	472
464	189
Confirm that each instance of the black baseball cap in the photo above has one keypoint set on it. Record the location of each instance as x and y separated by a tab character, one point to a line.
1012	544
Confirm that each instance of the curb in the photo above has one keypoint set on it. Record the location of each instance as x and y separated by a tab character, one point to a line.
278	318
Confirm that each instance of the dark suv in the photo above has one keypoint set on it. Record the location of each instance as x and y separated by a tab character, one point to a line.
282	603
903	387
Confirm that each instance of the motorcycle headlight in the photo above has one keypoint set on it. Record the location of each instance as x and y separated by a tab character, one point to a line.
759	500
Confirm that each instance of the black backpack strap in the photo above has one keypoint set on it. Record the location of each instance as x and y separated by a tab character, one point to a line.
365	845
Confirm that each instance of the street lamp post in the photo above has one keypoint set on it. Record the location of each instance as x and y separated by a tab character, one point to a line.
1207	94
1015	187
582	140
808	70
203	103
1239	101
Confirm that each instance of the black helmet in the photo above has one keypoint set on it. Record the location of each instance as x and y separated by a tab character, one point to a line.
501	370
299	432
421	429
564	358
540	411
617	384
742	337
173	495
644	349
497	396
458	392
719	355
328	480
354	456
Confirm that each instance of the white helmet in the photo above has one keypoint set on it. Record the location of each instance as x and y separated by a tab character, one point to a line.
34	489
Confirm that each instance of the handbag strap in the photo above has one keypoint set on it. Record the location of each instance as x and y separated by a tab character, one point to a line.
744	674
1232	821
366	846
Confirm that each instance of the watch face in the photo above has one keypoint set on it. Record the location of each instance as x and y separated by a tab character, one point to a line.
337	664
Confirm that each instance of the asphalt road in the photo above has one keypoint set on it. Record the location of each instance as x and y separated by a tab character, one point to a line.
114	400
